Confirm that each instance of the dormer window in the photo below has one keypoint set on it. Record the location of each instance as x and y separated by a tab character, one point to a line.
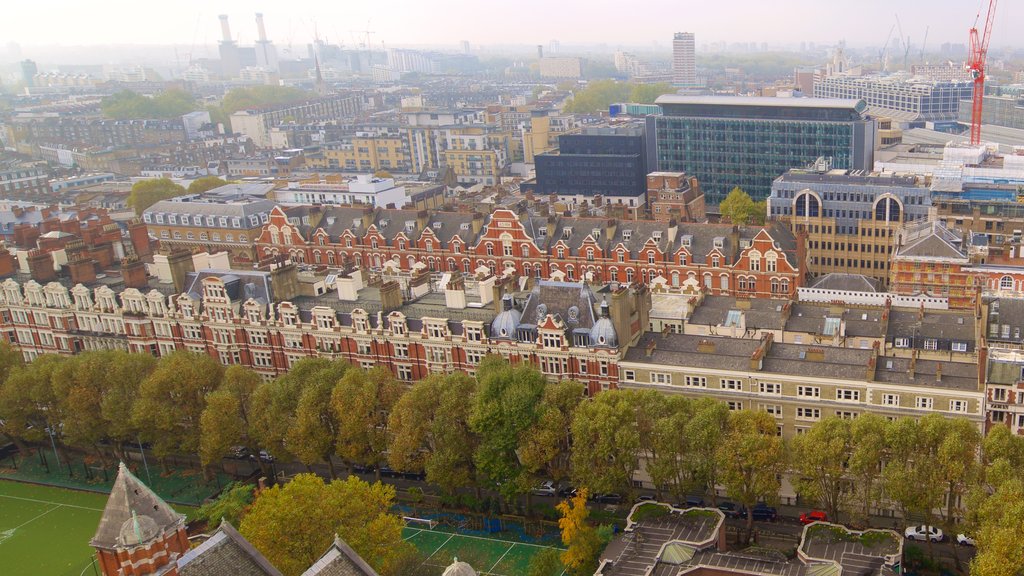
656	235
627	234
687	240
719	242
596	233
561	252
566	232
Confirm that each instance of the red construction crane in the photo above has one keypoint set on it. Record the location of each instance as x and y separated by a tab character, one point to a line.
976	64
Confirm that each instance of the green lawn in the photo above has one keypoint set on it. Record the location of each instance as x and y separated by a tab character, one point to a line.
488	556
45	531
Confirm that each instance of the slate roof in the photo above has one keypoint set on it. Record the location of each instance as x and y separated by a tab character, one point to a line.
241	285
850	282
938	324
226	552
340	560
131	499
930	240
763	313
446	225
559	298
391	222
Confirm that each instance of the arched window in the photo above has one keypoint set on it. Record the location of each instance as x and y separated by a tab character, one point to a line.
723	282
570	272
682	259
525	250
1006	283
490	249
888	209
412	261
675	278
316	257
330	258
629	275
807	205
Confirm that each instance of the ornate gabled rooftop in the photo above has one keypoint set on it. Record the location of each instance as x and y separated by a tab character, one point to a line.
134	514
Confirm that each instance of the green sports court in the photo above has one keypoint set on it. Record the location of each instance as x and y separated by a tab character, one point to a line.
46	531
489	556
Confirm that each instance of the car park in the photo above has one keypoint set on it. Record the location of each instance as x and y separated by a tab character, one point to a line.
813	516
924	532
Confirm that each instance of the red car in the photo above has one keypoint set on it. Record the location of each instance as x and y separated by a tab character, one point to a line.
813	516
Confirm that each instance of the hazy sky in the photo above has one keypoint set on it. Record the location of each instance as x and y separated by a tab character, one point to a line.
527	22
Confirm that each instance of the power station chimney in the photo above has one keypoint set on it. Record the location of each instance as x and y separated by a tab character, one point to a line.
225	30
540	51
260	28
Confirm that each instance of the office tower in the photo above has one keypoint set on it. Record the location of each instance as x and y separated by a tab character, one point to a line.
729	141
684	62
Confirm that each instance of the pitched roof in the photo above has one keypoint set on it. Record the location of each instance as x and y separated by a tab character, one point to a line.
930	240
226	552
340	560
131	500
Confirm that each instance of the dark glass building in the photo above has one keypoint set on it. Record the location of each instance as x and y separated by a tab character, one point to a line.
609	161
729	141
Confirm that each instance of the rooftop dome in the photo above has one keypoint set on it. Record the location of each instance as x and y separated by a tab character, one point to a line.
459	569
138	530
603	332
505	323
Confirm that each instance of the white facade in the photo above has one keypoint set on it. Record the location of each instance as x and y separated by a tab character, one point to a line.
561	68
365	189
684	59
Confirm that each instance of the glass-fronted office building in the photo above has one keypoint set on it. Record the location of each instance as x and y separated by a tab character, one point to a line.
729	141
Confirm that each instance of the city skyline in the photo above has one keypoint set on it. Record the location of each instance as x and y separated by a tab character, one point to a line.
401	23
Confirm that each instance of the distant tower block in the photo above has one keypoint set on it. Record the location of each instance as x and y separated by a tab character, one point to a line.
684	62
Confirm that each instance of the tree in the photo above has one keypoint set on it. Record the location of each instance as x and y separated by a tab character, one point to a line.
362	402
583	542
751	459
868	449
145	193
820	461
704	432
200	185
227	420
314	430
78	386
547	563
129	105
1001	522
739	208
506	405
606	443
648	93
171	400
598	95
124	373
28	406
292	525
547	445
231	505
430	431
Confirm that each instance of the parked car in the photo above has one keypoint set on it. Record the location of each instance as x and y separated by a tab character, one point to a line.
238	452
763	512
693	502
389	472
546	488
645	498
264	456
360	469
730	509
964	540
610	498
924	532
813	516
566	491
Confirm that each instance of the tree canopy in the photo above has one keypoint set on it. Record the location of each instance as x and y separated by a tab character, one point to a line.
129	105
292	525
145	193
200	185
739	208
599	94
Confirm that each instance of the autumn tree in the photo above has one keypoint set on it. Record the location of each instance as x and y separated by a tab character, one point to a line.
751	459
145	193
996	519
314	430
430	431
548	562
547	445
684	437
292	525
10	358
704	432
867	451
28	406
228	419
231	505
171	400
606	443
200	185
362	401
739	208
583	542
505	407
820	460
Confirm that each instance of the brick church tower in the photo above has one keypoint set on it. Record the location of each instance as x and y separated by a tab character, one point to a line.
139	534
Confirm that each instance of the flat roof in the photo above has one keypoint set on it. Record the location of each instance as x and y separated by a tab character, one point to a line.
759	101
